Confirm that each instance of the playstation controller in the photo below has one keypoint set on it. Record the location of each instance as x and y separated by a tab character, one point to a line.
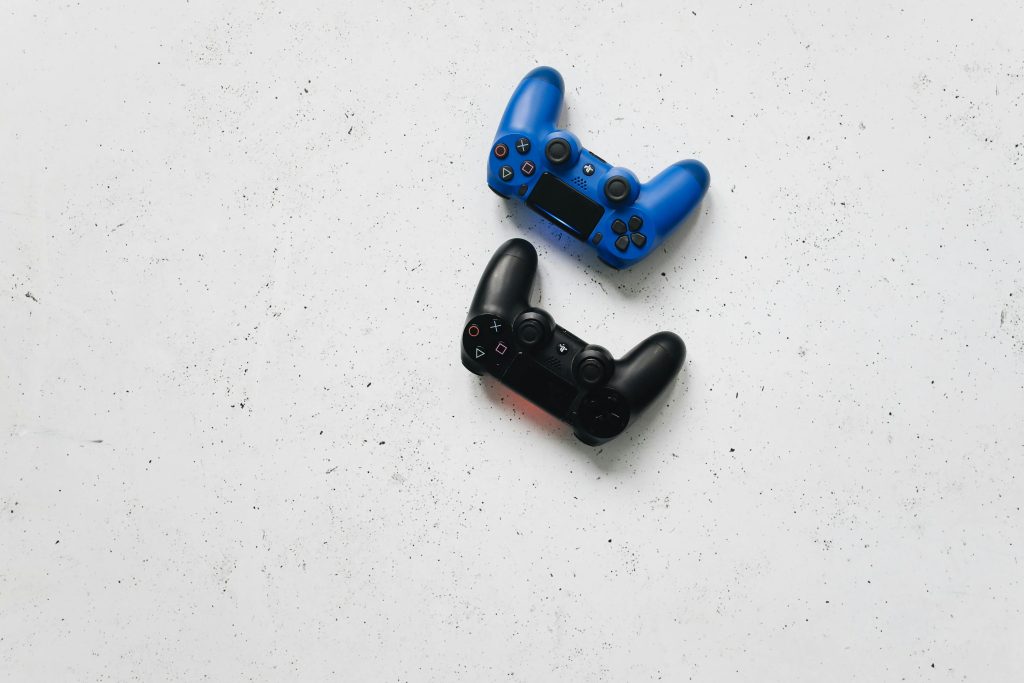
533	161
579	383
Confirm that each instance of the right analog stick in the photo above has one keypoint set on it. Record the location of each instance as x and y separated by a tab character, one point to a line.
616	188
530	332
558	151
533	328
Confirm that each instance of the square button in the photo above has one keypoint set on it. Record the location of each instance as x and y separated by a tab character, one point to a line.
500	349
527	168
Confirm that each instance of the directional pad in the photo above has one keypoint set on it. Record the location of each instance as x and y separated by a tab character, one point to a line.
620	226
604	413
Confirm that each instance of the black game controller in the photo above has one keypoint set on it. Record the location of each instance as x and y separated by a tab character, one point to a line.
577	382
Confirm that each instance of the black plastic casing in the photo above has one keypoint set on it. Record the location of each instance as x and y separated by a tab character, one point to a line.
522	347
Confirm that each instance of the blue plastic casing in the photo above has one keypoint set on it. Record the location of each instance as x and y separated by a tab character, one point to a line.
649	211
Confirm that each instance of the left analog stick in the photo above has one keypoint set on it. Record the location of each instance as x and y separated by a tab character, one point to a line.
616	189
593	366
591	371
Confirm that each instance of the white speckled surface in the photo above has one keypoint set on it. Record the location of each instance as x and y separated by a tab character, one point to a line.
236	247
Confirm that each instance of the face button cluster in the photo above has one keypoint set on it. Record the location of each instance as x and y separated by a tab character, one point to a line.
487	341
507	172
634	225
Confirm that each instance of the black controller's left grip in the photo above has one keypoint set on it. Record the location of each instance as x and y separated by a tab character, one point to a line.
504	288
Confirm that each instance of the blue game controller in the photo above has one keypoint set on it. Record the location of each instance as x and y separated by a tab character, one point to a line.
606	206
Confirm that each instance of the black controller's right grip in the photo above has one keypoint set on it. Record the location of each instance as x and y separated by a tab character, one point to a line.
648	368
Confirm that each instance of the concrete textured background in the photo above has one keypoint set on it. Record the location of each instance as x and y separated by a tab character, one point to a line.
237	242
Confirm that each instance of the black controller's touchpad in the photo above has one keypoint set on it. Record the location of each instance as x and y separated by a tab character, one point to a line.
541	386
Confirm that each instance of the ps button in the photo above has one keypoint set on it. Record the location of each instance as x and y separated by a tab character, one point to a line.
527	168
639	239
622	243
501	150
635	223
506	172
598	237
588	169
618	227
523	145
